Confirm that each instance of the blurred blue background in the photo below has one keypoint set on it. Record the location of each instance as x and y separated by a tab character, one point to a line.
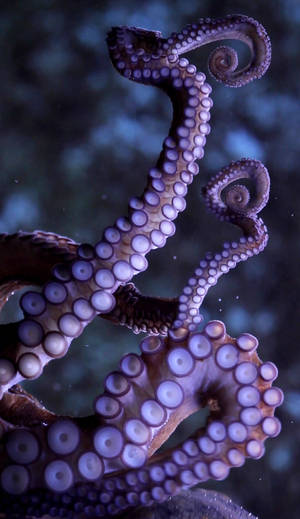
76	141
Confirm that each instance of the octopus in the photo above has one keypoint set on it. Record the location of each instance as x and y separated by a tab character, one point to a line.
103	464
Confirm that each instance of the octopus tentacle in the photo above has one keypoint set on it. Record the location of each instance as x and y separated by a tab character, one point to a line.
20	408
241	210
223	61
102	464
79	292
28	259
196	504
151	394
141	406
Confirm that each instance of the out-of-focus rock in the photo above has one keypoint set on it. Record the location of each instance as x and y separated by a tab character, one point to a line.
196	504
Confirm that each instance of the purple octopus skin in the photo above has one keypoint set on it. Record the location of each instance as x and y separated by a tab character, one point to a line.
99	466
35	254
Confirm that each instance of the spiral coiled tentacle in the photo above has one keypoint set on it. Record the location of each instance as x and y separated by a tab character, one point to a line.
83	289
241	210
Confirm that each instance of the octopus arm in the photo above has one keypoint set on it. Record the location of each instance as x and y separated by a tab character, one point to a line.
229	202
102	464
85	287
20	408
223	61
28	259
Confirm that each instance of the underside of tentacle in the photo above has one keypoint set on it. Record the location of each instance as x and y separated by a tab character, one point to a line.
84	287
29	258
240	209
142	404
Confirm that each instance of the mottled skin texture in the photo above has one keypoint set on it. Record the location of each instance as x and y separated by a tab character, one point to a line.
100	465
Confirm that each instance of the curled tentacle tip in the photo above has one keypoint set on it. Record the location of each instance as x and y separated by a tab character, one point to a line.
223	61
123	37
237	197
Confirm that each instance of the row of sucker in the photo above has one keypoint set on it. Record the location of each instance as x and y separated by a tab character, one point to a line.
223	60
83	288
241	210
151	393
